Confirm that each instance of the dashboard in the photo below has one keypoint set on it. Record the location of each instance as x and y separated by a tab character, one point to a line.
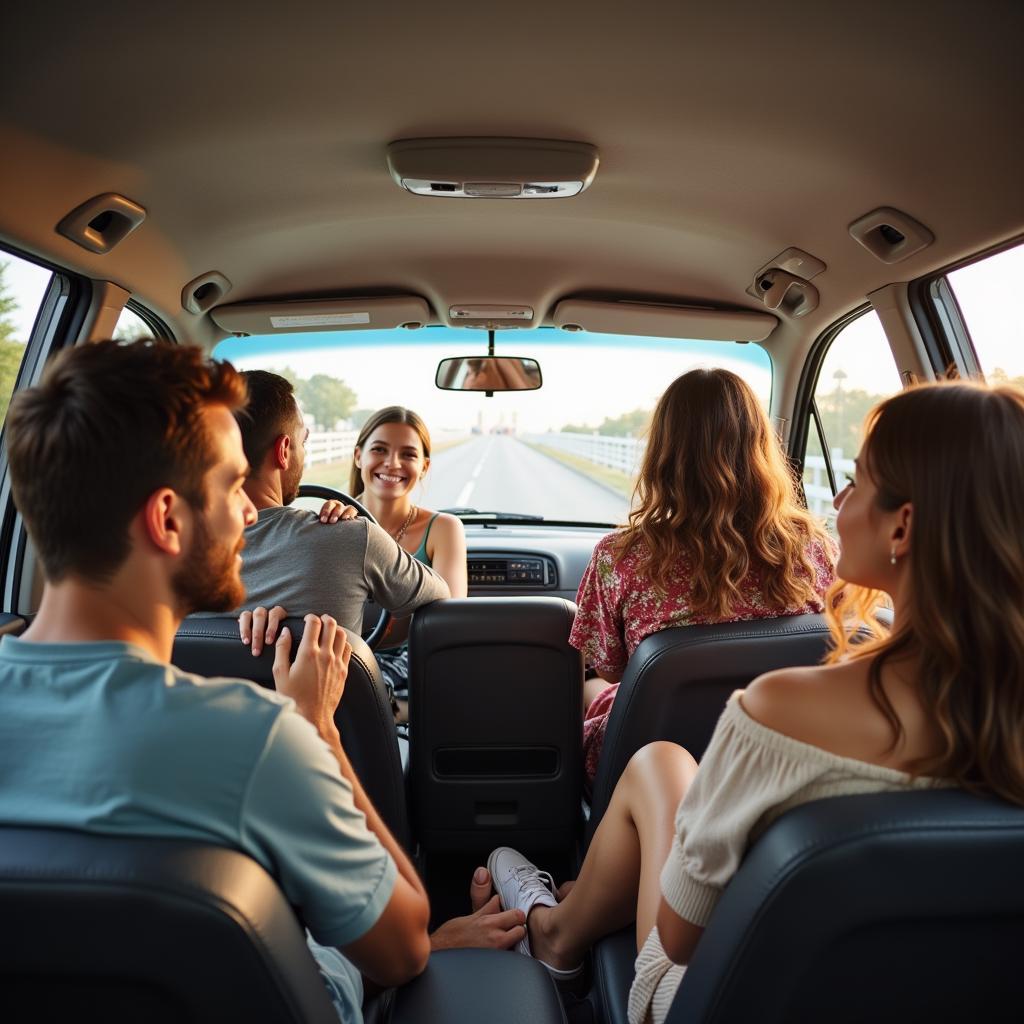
505	560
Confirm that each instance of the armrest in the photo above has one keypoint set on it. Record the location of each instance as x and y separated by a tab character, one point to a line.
466	986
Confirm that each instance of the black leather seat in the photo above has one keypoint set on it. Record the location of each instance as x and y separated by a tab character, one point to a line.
885	907
171	931
209	646
155	930
496	729
678	681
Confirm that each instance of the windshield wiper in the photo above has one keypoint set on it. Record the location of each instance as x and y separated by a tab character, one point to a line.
494	517
472	515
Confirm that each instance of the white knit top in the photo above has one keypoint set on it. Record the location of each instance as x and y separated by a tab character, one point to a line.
749	775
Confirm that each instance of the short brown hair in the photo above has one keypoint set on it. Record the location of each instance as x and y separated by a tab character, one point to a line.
108	425
270	412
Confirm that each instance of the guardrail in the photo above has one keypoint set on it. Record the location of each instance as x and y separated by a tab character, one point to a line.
816	488
330	446
621	453
336	445
624	454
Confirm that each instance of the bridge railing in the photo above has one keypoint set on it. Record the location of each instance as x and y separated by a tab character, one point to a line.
624	454
336	445
330	445
819	494
621	453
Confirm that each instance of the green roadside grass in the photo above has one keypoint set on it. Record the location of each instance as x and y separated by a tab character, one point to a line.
618	481
330	474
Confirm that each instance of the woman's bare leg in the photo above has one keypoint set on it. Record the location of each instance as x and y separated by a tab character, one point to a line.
620	877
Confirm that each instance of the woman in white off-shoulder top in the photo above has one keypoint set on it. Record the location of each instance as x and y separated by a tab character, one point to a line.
934	519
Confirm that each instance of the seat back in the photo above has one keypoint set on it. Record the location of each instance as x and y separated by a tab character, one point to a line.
884	907
123	929
495	693
209	646
677	682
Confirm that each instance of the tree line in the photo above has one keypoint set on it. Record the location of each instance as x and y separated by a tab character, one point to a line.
12	349
326	399
629	424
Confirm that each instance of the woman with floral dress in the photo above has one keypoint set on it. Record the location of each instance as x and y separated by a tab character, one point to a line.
717	534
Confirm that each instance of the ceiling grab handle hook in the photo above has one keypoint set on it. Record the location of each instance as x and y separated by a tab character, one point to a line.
785	291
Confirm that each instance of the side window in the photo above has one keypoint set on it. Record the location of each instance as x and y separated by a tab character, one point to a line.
22	288
988	294
857	373
131	326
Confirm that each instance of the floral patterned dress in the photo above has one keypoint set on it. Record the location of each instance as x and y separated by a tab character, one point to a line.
618	607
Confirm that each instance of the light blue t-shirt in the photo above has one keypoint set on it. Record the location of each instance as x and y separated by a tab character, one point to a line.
100	737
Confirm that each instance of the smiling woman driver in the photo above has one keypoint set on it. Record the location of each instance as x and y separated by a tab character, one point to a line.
392	455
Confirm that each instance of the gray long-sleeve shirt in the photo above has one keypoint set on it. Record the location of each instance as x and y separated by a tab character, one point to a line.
294	560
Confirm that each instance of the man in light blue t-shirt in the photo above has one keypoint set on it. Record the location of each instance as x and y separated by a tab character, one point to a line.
99	732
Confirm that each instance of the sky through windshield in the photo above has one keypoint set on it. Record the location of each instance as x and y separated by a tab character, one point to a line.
587	378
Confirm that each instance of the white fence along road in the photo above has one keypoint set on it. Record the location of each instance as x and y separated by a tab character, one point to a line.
624	454
330	445
621	453
335	445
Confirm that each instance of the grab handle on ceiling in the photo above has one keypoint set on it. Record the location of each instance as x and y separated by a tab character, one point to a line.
102	222
779	289
890	235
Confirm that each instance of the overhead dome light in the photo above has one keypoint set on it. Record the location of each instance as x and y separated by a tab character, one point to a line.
492	168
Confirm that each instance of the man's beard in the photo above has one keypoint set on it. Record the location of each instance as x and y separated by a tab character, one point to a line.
290	488
208	579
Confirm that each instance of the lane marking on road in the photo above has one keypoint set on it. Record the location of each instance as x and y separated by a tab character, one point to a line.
464	495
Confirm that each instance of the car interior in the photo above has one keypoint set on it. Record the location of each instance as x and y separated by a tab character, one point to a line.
376	201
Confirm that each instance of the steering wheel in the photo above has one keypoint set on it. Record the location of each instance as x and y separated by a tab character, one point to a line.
326	493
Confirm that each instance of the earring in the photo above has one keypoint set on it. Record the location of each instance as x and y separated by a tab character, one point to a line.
892	555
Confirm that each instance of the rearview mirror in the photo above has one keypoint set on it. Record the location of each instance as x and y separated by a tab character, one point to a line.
488	373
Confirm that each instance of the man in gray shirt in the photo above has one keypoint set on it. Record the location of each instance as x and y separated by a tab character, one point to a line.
290	558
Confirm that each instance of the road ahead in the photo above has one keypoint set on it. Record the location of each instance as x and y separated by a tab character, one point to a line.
497	473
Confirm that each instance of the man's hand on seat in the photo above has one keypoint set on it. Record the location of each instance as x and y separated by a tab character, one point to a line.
316	680
259	627
488	927
334	510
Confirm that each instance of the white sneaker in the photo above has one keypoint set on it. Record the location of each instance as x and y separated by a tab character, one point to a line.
520	886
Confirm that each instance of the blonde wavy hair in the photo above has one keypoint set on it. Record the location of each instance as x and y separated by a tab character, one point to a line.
389	414
955	452
715	488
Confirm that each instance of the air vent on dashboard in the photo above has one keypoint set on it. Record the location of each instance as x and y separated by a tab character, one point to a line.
512	571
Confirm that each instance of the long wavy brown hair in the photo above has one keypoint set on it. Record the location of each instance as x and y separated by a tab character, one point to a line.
389	414
715	489
955	452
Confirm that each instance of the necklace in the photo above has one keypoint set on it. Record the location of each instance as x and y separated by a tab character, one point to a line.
405	526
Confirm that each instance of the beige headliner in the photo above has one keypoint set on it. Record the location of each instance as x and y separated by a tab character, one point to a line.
256	140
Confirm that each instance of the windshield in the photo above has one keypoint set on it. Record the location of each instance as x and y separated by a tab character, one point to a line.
568	451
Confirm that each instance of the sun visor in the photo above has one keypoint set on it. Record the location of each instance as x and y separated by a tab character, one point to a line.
652	320
376	314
